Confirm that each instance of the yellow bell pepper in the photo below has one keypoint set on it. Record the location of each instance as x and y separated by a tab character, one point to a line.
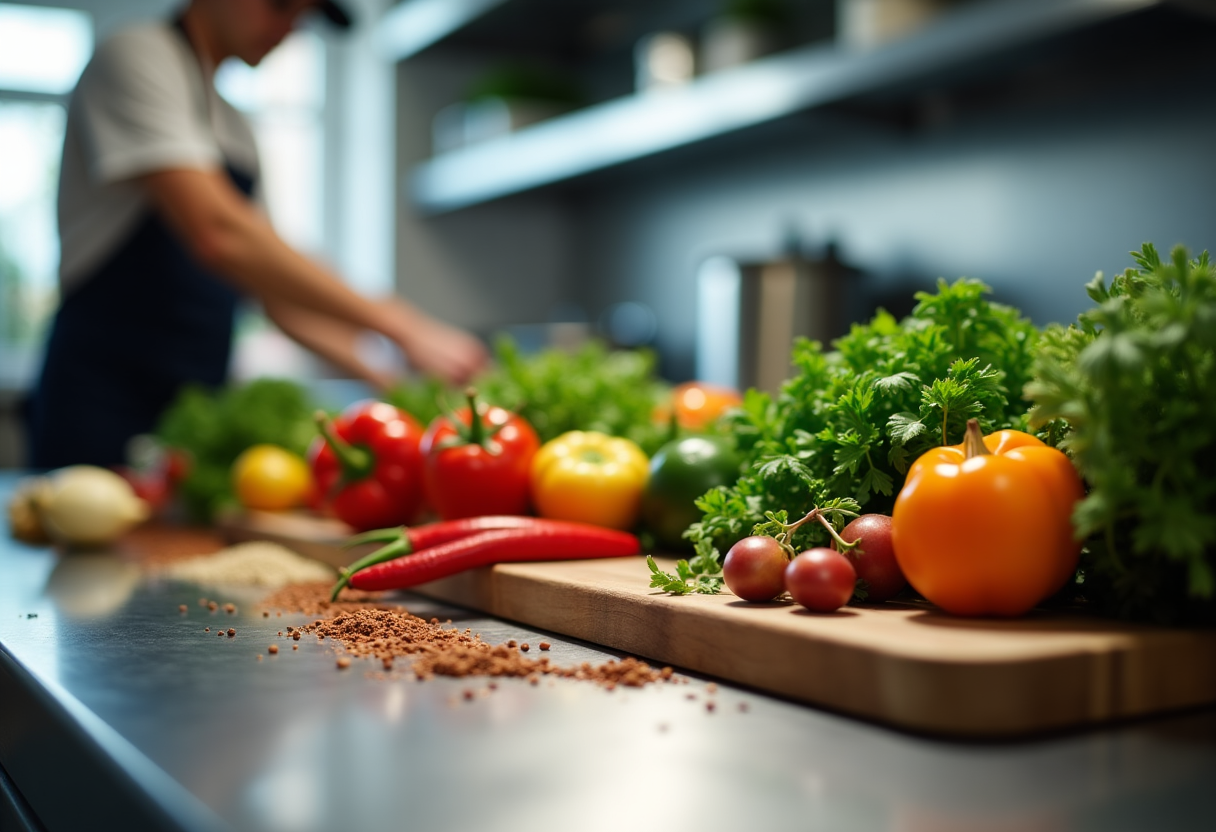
590	477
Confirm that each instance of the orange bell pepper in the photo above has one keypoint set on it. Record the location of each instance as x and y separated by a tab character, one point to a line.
985	527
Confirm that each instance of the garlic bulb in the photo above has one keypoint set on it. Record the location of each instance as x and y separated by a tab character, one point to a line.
89	506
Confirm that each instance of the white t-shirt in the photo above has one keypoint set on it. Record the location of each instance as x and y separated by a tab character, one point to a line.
142	104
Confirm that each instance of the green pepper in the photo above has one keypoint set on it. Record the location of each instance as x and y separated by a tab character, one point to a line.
680	472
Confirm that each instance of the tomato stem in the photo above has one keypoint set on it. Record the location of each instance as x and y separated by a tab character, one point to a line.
816	514
973	441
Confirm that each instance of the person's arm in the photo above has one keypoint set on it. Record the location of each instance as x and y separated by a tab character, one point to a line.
229	236
332	339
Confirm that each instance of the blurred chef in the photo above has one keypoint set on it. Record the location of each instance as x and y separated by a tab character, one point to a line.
161	235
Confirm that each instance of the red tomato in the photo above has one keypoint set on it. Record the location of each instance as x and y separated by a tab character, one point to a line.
481	467
822	580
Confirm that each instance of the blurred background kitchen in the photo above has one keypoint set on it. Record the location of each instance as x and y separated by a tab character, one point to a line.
706	178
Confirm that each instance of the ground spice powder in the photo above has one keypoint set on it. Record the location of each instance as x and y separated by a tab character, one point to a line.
368	627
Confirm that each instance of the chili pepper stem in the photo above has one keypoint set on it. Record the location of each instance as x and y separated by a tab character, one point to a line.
356	463
375	536
397	548
973	441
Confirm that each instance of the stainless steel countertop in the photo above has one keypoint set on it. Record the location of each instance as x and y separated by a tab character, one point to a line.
118	711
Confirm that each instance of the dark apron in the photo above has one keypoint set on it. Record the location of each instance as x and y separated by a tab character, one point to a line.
122	345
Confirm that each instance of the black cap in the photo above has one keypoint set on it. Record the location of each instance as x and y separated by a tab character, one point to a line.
335	14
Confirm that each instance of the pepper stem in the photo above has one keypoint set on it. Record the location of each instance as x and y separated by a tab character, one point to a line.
398	547
356	462
973	441
476	429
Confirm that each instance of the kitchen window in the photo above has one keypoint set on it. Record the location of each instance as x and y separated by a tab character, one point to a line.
42	52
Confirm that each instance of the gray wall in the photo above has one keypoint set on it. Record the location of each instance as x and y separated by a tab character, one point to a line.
1032	198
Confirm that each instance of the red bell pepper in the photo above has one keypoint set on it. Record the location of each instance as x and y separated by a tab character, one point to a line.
479	465
368	466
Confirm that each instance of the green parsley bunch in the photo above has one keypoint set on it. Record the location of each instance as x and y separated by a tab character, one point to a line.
852	420
1134	381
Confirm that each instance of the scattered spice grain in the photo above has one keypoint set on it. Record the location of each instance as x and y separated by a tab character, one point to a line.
544	645
182	608
231	632
296	635
229	608
272	649
343	662
524	647
312	598
211	605
206	629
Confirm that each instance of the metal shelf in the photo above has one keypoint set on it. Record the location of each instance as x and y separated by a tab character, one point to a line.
971	40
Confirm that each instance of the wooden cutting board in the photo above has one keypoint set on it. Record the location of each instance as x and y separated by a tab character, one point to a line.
905	665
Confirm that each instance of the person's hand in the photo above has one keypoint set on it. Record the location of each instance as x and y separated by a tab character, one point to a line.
439	349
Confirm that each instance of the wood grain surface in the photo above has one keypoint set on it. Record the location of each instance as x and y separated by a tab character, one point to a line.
906	665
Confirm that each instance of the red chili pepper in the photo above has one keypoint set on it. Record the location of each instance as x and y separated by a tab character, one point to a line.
368	465
479	466
557	540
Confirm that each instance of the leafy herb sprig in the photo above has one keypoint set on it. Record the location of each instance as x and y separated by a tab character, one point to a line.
701	573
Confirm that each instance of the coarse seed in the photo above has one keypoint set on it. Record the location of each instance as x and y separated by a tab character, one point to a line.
206	629
211	605
711	688
544	645
296	636
388	663
230	608
182	608
343	662
524	647
511	643
265	614
274	648
295	647
231	632
219	632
